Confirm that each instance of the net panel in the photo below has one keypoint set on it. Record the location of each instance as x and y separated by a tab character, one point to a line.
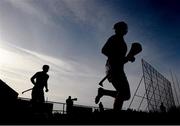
158	88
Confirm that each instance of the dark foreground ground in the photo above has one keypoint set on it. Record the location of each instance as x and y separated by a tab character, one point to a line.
21	112
99	118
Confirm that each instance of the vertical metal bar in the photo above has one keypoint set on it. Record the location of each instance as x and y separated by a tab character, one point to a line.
174	88
153	90
172	97
136	91
151	69
141	101
167	93
143	67
159	94
146	93
177	83
63	108
153	100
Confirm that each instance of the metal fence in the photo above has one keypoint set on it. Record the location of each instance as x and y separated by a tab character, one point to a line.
60	107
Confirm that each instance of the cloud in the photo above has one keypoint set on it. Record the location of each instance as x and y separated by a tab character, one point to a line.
18	57
80	11
20	64
30	8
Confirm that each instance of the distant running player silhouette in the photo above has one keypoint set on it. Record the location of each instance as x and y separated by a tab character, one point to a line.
69	104
115	49
40	81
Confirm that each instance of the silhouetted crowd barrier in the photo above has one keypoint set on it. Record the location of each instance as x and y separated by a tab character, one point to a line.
122	117
23	113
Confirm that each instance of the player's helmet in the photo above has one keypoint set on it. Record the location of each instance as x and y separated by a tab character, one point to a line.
120	25
45	67
121	28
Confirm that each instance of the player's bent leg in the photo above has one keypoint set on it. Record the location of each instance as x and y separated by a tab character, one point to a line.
110	93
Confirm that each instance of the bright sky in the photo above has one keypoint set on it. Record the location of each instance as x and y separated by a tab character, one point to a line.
68	35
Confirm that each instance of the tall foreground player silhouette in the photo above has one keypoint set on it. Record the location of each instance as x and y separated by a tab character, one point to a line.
115	49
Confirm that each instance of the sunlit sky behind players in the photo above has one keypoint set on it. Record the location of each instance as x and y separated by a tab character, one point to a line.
68	35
